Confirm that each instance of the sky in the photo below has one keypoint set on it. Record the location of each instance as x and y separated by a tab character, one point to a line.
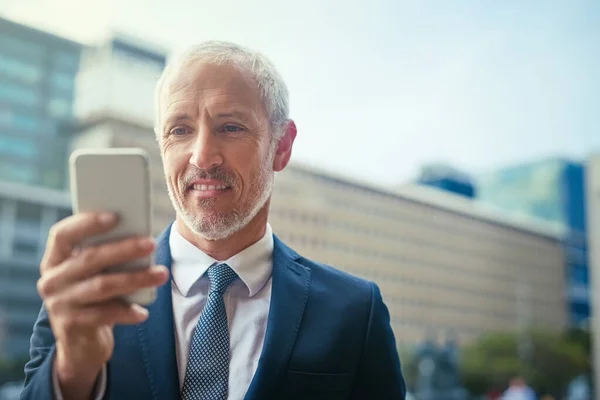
379	88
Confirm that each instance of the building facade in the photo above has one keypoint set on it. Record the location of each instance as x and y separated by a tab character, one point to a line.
26	215
593	223
37	73
115	106
553	190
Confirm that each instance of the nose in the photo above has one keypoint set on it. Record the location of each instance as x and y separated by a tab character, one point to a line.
206	152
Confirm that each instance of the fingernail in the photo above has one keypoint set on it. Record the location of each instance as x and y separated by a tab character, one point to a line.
140	311
146	243
160	270
107	218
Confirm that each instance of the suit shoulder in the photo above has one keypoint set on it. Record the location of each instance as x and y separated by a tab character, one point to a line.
338	279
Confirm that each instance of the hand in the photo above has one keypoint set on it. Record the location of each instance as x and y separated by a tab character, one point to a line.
82	303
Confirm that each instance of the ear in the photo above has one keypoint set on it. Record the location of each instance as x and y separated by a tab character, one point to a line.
283	152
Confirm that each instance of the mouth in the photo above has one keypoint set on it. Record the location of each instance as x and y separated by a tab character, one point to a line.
208	190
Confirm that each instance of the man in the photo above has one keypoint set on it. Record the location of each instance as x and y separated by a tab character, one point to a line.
518	390
242	316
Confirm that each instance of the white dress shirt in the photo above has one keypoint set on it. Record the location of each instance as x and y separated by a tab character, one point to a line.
247	302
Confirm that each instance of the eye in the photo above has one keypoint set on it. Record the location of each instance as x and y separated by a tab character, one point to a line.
180	130
232	128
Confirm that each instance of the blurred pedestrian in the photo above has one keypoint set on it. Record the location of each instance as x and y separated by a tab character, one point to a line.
518	390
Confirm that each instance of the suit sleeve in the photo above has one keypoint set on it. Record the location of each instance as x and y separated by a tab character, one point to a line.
379	374
40	380
38	370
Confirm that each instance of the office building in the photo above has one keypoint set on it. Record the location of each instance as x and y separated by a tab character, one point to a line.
117	79
26	215
593	224
115	106
37	72
553	190
447	178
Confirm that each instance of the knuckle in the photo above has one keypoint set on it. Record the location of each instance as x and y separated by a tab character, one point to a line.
142	278
127	247
88	256
43	287
102	284
51	305
56	232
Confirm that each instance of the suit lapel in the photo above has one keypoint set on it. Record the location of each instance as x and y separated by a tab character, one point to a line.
157	334
289	293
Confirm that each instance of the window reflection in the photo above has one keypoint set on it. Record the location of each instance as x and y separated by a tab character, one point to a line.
18	69
17	146
18	94
65	60
17	172
12	45
62	81
19	121
59	108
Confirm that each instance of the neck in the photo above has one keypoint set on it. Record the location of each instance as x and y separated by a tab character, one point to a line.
224	249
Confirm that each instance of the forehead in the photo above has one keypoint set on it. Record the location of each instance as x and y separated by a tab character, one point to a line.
197	85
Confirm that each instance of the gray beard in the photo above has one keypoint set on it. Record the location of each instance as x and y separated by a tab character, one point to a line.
222	225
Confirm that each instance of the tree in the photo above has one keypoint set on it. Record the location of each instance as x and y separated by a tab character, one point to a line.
490	362
11	370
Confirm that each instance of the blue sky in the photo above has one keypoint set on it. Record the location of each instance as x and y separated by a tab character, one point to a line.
380	87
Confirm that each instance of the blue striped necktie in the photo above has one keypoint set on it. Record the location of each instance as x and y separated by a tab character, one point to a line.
207	372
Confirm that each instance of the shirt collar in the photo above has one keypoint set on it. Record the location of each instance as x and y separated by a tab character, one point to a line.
253	265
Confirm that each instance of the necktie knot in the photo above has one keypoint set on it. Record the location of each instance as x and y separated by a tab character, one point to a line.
220	277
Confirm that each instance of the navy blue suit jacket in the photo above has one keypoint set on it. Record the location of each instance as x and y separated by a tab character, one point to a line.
328	337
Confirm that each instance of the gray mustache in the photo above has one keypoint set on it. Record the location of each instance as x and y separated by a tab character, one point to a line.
217	174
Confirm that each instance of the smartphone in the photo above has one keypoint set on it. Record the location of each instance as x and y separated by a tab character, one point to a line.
116	180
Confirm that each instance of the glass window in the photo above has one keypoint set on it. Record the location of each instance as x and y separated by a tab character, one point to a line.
62	81
62	214
5	117
27	122
19	121
59	108
18	146
579	274
17	172
18	69
27	229
30	212
52	178
66	60
25	248
18	94
9	44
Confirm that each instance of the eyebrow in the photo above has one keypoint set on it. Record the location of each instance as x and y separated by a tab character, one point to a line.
234	114
180	117
183	117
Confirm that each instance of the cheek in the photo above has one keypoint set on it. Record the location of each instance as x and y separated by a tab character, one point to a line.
174	162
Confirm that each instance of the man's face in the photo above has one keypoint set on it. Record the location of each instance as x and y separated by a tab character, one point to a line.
217	151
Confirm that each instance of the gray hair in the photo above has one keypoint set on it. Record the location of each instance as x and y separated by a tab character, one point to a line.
273	90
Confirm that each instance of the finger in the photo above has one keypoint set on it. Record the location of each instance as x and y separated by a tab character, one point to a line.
91	261
70	232
108	286
108	313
